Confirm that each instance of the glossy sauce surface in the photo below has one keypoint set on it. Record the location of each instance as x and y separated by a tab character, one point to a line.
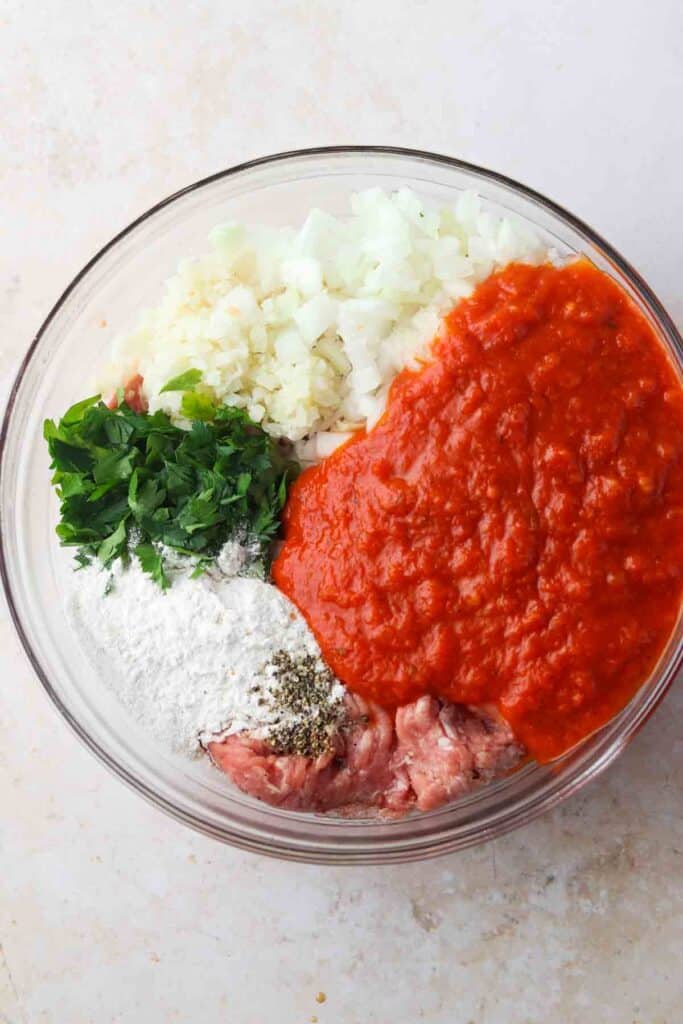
512	530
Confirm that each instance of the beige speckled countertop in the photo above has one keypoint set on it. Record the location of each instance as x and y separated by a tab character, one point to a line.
111	912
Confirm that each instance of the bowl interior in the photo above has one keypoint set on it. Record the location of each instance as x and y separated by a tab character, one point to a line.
105	300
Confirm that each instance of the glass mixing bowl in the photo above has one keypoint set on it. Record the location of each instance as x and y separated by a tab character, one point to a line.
103	300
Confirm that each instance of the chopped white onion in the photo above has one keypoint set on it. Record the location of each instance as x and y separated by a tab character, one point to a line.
306	329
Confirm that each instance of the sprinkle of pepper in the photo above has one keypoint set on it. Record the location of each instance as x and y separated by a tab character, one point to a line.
302	688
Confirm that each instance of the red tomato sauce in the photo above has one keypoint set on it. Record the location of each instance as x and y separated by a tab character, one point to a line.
512	529
132	395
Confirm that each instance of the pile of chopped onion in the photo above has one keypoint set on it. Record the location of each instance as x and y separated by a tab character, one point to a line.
306	329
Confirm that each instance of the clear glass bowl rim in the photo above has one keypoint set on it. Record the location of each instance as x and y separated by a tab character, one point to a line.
431	844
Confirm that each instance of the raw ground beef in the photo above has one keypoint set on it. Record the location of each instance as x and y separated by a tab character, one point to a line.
428	753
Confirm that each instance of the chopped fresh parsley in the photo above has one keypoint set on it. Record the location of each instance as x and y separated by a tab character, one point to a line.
183	382
152	562
136	480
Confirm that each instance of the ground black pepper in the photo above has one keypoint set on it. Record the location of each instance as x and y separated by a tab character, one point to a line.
303	688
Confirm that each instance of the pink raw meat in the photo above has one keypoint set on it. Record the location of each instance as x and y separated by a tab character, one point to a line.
358	770
447	748
430	753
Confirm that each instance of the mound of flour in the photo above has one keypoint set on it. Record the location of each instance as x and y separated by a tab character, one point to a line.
186	662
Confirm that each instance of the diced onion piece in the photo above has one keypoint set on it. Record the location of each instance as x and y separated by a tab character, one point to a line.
306	329
304	275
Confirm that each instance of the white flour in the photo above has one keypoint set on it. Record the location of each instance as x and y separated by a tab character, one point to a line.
185	662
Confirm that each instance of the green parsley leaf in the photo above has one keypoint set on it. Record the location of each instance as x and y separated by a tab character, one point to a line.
114	545
195	406
183	382
72	483
76	412
118	430
200	568
114	465
152	563
68	457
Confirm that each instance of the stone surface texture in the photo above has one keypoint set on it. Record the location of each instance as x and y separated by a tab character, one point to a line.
110	911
